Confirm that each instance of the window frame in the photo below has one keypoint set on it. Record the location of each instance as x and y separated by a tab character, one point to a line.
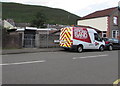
115	20
116	33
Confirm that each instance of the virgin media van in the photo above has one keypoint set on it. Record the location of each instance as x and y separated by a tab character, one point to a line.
80	38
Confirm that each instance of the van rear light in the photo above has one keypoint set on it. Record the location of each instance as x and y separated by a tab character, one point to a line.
107	42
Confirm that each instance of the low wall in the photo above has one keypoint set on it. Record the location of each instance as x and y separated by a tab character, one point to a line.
13	40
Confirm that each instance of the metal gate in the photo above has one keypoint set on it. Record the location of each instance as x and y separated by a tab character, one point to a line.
29	40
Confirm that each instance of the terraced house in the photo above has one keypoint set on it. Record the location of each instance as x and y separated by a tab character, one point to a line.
104	20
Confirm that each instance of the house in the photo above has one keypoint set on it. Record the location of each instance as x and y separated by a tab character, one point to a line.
8	25
57	26
119	15
19	35
104	20
22	24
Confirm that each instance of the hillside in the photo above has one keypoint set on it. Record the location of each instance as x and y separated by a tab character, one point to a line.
25	13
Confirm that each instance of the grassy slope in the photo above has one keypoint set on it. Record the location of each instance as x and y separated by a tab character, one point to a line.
25	13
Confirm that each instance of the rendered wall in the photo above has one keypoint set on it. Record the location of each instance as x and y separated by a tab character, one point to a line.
98	23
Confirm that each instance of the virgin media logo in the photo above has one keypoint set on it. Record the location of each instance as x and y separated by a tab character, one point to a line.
80	33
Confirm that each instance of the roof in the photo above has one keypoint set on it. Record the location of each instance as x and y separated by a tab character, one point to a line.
88	27
22	24
8	25
101	13
11	21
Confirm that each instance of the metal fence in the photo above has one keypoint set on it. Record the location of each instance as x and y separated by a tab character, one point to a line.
29	40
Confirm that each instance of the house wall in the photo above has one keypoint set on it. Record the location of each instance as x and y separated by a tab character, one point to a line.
112	26
104	23
119	22
98	23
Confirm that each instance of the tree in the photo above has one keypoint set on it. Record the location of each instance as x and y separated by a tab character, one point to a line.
39	20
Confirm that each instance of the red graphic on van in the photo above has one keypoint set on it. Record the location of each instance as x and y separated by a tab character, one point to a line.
81	34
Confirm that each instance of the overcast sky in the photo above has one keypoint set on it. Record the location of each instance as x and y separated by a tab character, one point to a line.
78	7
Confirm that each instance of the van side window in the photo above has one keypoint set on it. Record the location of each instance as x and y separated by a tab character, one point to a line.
97	37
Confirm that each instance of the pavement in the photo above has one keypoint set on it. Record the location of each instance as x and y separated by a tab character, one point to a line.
29	50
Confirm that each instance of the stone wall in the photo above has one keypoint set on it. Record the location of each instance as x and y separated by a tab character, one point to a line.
11	40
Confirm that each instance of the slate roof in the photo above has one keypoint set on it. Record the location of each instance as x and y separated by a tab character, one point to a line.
101	13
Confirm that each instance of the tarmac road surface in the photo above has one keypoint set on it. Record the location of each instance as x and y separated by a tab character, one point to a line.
60	67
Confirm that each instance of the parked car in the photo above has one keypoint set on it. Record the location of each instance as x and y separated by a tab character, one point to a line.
111	43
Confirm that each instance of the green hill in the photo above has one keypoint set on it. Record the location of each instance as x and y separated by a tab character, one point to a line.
26	13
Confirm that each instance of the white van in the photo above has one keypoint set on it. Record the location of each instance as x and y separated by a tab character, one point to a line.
80	38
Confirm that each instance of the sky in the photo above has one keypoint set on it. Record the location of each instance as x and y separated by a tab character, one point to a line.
78	7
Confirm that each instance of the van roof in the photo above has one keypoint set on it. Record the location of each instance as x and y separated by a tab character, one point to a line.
90	30
88	27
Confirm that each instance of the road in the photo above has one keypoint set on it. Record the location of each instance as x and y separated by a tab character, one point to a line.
62	67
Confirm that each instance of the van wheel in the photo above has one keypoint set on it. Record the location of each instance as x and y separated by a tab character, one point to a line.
101	48
110	48
79	49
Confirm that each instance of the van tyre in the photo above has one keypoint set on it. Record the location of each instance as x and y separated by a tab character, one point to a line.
79	49
101	48
110	48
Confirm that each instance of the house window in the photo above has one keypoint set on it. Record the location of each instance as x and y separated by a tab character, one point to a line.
104	34
115	20
115	33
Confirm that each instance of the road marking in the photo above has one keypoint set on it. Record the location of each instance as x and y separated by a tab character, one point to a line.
116	82
30	62
90	56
